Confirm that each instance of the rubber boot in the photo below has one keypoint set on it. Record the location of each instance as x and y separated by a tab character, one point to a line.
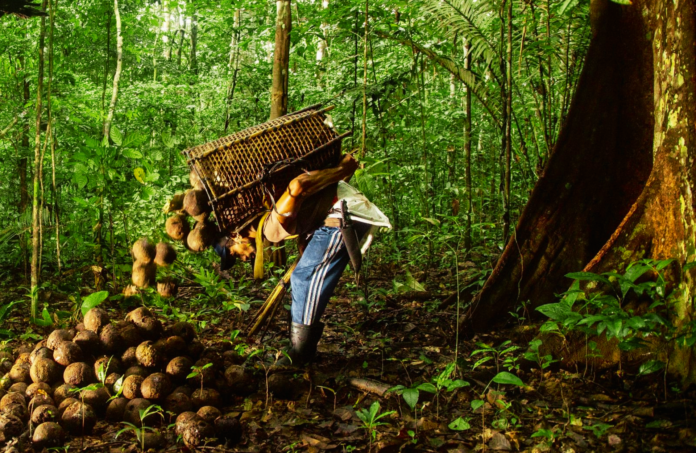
304	340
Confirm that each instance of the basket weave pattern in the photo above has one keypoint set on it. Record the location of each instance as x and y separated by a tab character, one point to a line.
239	169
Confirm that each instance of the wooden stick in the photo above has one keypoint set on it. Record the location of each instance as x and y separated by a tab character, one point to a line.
371	386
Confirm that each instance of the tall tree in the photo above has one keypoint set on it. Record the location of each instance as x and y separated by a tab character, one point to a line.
618	186
117	75
467	151
281	59
35	243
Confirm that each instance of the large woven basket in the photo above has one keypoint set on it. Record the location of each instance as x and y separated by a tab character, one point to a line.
240	171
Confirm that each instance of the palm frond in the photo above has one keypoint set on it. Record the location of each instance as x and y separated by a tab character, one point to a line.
466	76
468	19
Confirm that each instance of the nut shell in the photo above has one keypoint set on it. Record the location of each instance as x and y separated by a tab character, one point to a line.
95	319
45	370
48	435
147	354
67	352
56	337
79	374
144	250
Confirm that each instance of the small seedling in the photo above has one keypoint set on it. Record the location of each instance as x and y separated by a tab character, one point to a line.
370	418
140	431
198	372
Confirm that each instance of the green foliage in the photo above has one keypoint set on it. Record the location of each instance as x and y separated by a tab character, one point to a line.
93	300
371	418
139	431
602	308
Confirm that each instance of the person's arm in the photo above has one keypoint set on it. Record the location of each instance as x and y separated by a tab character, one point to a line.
288	205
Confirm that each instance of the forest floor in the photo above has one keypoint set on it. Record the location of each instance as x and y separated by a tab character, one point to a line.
409	340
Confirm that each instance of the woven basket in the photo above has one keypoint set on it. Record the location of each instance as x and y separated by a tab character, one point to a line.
241	170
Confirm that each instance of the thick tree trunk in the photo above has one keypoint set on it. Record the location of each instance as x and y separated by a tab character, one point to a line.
598	169
619	185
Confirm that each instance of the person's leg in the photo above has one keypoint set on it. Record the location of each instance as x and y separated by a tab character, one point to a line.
317	274
313	282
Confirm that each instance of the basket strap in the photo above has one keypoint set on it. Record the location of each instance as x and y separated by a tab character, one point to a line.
258	262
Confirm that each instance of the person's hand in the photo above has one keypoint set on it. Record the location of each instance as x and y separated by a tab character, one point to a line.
348	164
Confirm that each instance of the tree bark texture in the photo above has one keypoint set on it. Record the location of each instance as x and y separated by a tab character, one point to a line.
598	169
35	249
467	151
117	75
281	59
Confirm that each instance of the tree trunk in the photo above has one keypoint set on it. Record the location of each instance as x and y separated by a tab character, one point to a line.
508	127
108	55
279	86
467	151
618	186
35	269
193	63
504	126
22	163
281	59
233	66
322	45
117	75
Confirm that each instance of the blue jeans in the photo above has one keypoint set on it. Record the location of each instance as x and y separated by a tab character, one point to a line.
314	279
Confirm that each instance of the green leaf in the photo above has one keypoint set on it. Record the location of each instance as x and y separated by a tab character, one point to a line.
559	311
116	135
93	300
507	378
411	397
80	179
132	154
622	2
587	276
427	387
651	366
5	310
135	138
454	385
167	139
475	404
459	425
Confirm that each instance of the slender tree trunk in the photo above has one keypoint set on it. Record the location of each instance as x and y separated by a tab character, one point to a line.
193	61
182	35
56	209
467	150
166	28
35	270
22	163
355	75
504	125
233	66
117	75
322	44
281	59
279	86
364	117
108	57
507	197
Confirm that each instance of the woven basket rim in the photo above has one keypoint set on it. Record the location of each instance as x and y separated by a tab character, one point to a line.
227	140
